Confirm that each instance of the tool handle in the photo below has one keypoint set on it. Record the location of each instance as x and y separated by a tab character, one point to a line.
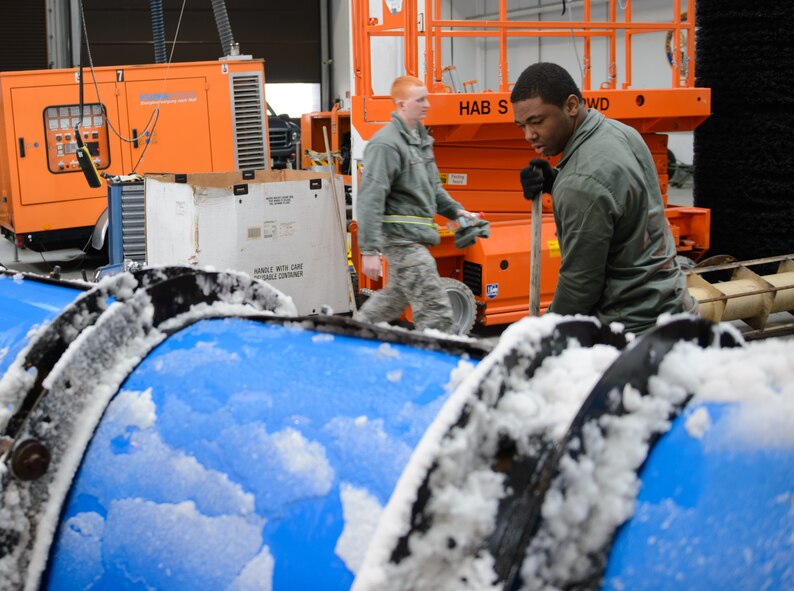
534	257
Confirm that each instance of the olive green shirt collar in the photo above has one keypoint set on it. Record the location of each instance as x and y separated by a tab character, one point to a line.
406	132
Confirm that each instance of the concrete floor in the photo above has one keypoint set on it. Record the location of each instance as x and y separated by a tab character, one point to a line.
73	262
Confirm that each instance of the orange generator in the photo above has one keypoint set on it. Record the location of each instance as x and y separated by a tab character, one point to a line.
479	150
184	118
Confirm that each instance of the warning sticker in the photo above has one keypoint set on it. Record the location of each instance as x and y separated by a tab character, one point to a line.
276	272
554	248
454	178
279	199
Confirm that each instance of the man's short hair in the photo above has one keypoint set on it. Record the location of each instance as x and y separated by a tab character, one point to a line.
401	85
552	83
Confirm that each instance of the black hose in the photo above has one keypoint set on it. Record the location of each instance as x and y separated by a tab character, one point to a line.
158	32
224	28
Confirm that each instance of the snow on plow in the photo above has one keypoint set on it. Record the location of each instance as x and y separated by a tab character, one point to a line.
178	429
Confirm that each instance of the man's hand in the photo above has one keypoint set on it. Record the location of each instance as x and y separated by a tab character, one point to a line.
537	178
371	266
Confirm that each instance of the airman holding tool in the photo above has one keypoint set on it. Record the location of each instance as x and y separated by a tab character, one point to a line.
618	255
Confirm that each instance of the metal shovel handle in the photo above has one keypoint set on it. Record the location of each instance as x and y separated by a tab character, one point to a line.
534	257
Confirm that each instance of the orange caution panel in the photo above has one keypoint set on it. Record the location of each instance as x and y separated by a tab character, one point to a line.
480	151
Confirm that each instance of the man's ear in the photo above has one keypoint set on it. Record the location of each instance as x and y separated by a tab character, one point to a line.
572	105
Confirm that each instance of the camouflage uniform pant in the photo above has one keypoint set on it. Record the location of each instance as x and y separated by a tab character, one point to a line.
413	279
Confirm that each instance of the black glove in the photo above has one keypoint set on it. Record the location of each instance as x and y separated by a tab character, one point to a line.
537	178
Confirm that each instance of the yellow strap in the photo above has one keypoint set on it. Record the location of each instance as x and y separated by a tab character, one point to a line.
409	219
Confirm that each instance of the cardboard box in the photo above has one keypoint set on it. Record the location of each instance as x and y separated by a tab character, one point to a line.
279	226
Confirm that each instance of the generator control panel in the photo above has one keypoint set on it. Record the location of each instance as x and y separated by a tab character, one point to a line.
62	122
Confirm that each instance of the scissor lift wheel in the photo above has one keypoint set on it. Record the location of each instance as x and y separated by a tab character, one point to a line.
464	307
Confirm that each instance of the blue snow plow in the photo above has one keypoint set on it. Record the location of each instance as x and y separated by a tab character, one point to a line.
183	429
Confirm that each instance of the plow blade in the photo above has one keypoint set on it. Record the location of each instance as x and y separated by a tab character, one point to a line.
183	429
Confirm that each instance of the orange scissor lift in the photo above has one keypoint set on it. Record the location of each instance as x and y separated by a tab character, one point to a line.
479	150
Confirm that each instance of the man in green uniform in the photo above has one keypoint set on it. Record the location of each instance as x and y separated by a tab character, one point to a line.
618	255
400	195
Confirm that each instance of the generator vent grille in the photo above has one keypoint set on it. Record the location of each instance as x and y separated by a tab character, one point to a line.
248	112
133	223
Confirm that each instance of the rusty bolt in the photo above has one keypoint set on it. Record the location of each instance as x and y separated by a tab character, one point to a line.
30	460
5	444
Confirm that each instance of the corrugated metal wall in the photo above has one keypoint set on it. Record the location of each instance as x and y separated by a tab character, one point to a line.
23	35
285	34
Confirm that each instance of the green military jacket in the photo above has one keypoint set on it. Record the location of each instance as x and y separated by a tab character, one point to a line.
400	190
618	255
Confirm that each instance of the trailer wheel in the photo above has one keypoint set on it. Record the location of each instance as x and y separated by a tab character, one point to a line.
464	307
